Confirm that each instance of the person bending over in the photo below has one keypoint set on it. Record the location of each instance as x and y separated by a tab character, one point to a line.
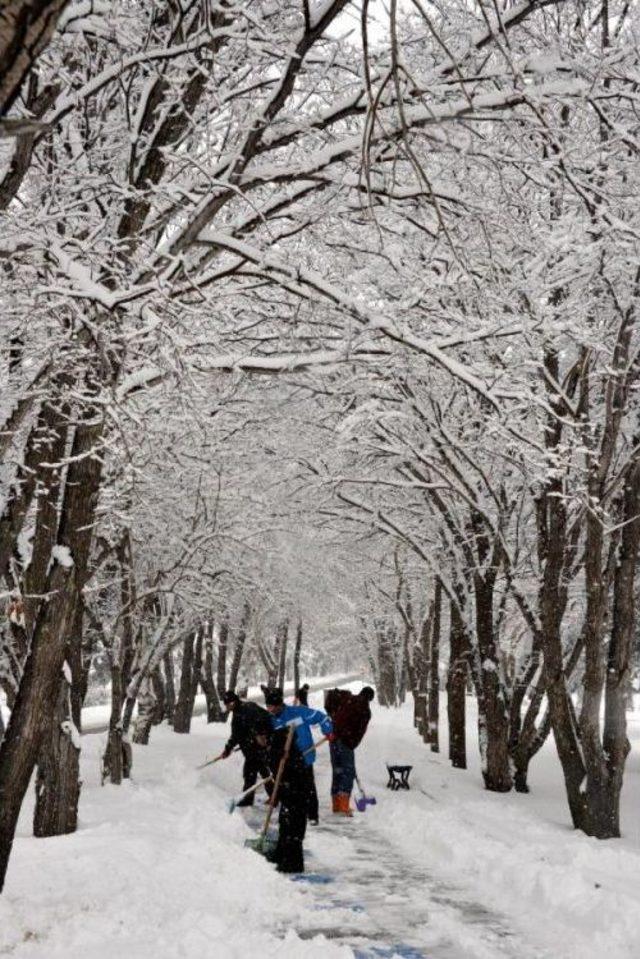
250	730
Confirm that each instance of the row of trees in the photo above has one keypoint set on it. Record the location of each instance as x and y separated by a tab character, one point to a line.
289	315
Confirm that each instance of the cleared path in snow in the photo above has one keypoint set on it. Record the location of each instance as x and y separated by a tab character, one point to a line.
368	897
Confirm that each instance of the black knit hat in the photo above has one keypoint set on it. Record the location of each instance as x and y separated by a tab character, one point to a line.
230	697
274	697
367	693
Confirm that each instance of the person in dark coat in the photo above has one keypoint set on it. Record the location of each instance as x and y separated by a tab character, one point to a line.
350	716
302	695
250	730
292	796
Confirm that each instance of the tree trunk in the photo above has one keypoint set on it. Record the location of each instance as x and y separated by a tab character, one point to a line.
28	25
147	703
117	758
169	687
271	659
282	659
58	779
386	666
39	688
184	705
223	644
623	627
113	758
456	689
160	709
434	673
215	712
296	657
238	651
189	680
493	724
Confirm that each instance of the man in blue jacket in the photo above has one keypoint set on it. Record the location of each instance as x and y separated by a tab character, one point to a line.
303	718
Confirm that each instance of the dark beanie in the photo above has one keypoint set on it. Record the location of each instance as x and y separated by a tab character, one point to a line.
273	697
367	692
230	697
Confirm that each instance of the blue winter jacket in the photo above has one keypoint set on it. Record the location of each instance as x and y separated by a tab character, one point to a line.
303	717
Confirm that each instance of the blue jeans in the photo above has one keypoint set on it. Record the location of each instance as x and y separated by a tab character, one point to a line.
343	765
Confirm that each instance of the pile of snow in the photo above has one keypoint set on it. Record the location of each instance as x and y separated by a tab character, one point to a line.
516	854
156	869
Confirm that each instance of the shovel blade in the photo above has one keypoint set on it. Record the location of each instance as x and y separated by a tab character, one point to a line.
263	845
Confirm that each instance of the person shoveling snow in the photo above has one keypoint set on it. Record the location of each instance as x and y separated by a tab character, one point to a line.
250	730
304	718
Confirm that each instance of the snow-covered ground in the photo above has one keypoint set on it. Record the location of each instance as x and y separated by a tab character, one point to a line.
445	870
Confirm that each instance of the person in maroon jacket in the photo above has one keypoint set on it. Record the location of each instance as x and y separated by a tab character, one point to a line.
350	715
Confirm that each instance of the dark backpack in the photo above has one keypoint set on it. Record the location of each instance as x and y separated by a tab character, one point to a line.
334	699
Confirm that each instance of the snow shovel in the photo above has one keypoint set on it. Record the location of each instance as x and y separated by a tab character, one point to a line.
262	782
363	800
231	805
263	844
216	759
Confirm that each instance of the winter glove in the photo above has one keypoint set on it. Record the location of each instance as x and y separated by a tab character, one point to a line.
226	752
331	737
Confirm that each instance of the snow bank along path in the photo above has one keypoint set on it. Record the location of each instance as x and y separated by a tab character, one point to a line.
446	870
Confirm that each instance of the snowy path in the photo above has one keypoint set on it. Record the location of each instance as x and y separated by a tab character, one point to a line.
369	898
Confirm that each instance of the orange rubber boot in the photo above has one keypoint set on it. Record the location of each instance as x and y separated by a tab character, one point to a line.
344	807
335	803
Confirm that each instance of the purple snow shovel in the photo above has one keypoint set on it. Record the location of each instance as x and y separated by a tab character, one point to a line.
363	800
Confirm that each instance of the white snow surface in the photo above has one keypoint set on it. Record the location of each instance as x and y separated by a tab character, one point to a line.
158	869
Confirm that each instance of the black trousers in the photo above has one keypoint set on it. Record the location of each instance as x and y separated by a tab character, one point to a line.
312	793
289	854
254	764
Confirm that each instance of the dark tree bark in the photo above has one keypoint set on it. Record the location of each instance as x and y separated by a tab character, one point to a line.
223	644
238	650
493	722
387	678
160	710
116	761
189	681
146	711
169	686
215	712
282	657
456	689
39	688
26	27
58	779
270	659
184	706
45	444
434	673
296	657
